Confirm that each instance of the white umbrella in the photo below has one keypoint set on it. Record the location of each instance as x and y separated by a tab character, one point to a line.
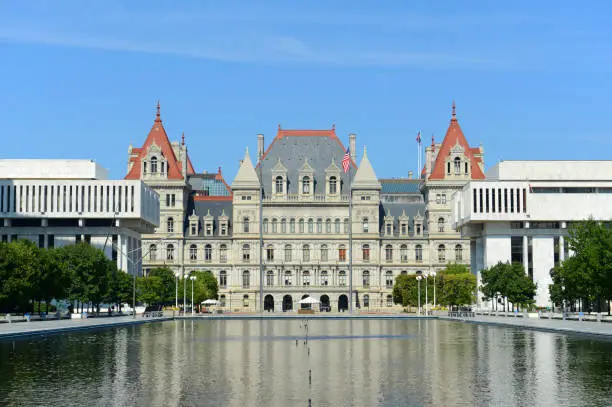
309	300
209	302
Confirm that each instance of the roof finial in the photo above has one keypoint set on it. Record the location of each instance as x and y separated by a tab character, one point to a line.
279	127
183	139
157	115
219	170
433	141
454	113
334	127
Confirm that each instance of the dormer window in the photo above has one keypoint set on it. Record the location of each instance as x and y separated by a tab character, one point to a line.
466	168
457	162
278	183
306	185
404	229
193	229
163	167
153	165
209	229
333	185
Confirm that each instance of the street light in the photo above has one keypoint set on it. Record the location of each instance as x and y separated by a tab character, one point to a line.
193	278
433	274
426	299
419	278
177	274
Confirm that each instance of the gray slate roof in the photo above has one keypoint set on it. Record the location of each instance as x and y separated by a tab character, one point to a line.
201	209
293	150
400	186
396	209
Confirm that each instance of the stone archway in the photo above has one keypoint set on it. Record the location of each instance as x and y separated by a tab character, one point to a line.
325	303
343	303
287	303
269	303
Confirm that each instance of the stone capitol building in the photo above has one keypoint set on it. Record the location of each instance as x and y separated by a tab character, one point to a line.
399	225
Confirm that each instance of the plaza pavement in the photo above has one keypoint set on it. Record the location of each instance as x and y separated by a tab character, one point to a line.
17	330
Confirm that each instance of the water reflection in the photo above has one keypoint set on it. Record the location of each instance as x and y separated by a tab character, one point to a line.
353	362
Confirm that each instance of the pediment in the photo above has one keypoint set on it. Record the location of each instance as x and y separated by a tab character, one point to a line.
279	167
307	168
333	168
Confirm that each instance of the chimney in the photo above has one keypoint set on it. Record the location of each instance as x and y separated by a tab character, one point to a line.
352	147
409	174
260	146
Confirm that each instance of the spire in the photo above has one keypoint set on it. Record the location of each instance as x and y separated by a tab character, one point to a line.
247	177
454	113
158	115
433	140
183	139
365	178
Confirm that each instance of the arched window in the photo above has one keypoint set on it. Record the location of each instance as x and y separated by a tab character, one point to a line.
389	252
246	279
222	279
246	253
208	252
418	252
287	252
153	252
245	300
389	300
337	226
223	253
265	225
301	225
404	273
170	252
333	185
365	250
310	226
440	224
458	253
270	252
279	184
153	165
366	278
222	300
441	253
324	278
457	162
342	253
170	225
319	225
346	225
323	252
245	224
366	226
288	277
283	225
274	225
306	185
328	226
193	252
404	253
306	277
389	279
292	226
342	278
306	252
269	278
366	301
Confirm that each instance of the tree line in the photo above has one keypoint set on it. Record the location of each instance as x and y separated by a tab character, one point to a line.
83	275
455	286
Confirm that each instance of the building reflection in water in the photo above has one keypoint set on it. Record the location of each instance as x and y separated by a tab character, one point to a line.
353	362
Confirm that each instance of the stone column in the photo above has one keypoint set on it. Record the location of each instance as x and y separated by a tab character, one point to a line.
525	254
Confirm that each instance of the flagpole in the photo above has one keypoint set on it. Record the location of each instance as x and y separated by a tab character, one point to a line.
350	234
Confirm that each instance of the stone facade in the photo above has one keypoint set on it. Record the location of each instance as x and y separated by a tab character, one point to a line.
302	206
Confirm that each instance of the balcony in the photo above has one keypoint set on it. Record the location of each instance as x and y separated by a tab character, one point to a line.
297	198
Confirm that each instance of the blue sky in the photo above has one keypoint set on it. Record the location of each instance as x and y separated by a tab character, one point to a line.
80	79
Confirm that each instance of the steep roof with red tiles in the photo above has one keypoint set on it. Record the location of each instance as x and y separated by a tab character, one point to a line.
157	136
454	135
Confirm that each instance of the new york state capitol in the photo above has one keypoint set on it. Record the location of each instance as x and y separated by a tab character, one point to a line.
399	226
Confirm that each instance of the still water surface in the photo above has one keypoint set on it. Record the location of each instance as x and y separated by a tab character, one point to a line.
352	363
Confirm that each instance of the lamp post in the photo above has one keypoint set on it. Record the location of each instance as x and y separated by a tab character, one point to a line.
433	274
177	274
193	278
426	299
419	278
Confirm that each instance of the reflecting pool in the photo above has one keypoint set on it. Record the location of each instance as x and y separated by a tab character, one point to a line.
267	363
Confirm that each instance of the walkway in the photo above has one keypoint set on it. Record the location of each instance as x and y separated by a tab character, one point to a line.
25	329
548	325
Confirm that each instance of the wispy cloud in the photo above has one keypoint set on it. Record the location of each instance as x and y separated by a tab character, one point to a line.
262	48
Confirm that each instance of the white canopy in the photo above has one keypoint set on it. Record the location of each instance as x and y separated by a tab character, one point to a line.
210	302
309	300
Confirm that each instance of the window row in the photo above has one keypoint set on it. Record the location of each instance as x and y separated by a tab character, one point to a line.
284	226
306	185
499	200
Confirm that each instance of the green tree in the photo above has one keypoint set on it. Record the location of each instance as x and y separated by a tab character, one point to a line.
120	286
19	269
150	290
168	282
205	287
54	280
405	290
457	286
508	281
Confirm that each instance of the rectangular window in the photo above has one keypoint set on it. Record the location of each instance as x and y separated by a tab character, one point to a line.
480	200
516	249
50	241
505	200
524	200
511	200
245	225
557	251
167	200
41	241
443	199
487	200
438	199
518	200
173	200
475	202
530	257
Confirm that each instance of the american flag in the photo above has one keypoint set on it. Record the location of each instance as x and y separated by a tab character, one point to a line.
346	160
418	139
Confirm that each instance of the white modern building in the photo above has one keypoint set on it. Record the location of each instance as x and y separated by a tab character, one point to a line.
59	202
522	211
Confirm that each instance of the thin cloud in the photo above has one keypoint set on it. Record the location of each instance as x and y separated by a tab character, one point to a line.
266	49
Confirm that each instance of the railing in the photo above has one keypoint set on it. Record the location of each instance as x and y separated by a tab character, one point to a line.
306	198
461	314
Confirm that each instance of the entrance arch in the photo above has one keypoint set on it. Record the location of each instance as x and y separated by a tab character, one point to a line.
269	303
343	303
325	303
287	303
